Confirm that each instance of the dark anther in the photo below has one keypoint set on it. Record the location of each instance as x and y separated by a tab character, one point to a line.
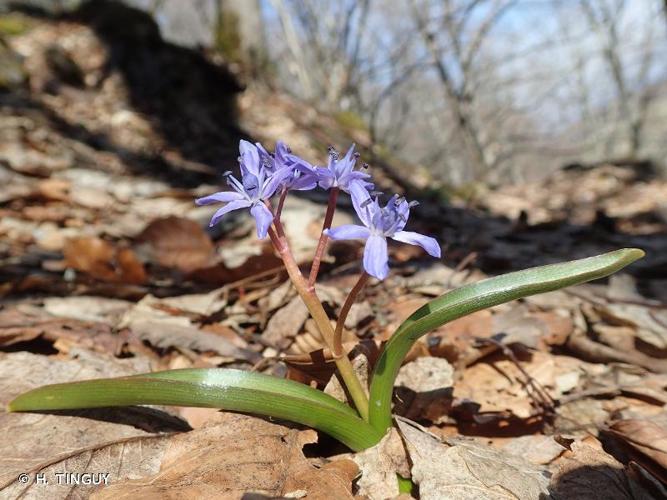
332	152
365	165
357	155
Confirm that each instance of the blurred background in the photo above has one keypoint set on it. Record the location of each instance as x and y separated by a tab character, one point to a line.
530	130
493	91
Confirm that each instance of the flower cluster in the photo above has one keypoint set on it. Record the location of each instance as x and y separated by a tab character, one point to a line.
264	174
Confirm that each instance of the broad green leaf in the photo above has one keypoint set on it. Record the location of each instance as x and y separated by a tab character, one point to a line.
474	297
234	390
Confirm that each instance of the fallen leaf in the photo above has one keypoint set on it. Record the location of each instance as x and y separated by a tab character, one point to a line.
285	324
164	327
424	389
457	469
379	466
33	441
101	260
586	471
103	463
536	449
648	440
233	455
426	374
87	308
177	243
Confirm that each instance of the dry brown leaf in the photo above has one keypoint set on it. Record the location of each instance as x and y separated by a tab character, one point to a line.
87	308
647	439
424	389
460	470
101	260
285	324
359	313
426	374
379	466
102	464
33	441
499	386
536	449
586	471
166	327
177	243
23	323
361	369
234	455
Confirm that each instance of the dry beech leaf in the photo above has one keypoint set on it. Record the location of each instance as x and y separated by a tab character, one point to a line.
285	324
536	449
645	437
424	389
426	374
462	470
233	455
177	243
101	260
586	471
379	466
361	369
106	463
87	308
33	441
150	320
499	386
23	323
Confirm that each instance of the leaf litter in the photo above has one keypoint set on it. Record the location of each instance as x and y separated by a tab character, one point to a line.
108	269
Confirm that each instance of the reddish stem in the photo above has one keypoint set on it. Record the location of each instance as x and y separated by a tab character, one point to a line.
318	314
279	211
338	333
322	244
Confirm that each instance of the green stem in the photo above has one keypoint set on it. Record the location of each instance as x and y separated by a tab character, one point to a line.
474	297
314	305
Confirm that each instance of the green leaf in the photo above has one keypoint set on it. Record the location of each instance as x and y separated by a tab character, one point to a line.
234	390
474	297
405	484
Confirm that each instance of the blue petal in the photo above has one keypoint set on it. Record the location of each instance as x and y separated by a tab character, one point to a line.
361	201
325	178
304	183
276	179
221	197
263	218
375	257
346	165
348	232
233	205
429	244
249	157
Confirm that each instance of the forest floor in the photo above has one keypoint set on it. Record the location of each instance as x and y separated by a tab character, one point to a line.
107	268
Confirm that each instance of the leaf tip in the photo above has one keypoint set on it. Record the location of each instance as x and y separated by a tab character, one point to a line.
633	254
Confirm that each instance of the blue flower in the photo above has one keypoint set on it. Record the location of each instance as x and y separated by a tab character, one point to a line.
301	175
259	180
381	223
340	172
